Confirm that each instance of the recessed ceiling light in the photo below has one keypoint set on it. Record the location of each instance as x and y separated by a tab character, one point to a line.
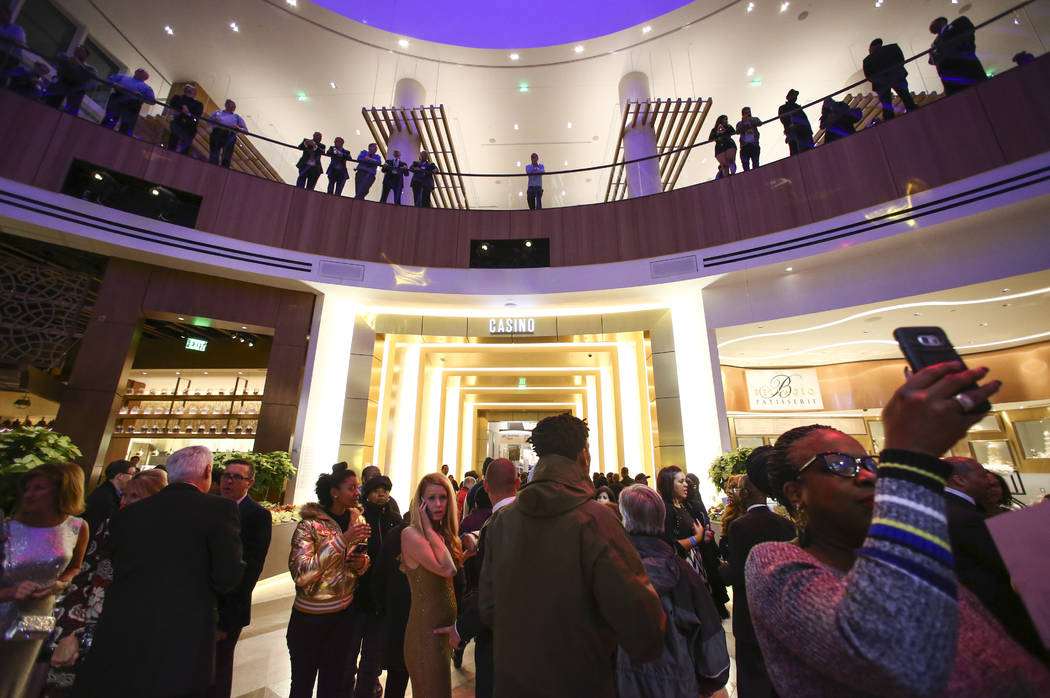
514	56
515	127
168	30
518	163
240	373
403	43
182	318
1006	305
563	192
293	3
144	373
982	324
578	49
244	327
646	29
233	26
1006	290
789	269
750	7
750	72
528	243
784	6
358	131
178	373
570	124
917	314
761	326
566	163
332	84
205	373
520	194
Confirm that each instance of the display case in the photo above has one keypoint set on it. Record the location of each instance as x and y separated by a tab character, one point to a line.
217	409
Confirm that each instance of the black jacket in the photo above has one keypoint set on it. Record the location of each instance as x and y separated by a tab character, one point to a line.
101	504
235	607
393	175
980	569
393	599
382	520
754	527
311	157
423	174
885	67
172	554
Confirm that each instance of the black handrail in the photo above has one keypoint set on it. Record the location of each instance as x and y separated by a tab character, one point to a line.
592	168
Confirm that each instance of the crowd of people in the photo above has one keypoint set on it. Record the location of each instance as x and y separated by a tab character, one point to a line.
881	580
64	83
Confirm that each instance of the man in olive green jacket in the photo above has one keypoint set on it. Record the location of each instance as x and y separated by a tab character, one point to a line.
561	584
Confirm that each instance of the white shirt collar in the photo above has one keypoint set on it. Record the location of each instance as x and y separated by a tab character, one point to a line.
758	506
961	495
241	499
502	503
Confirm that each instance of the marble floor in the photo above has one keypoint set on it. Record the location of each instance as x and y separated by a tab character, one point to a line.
262	670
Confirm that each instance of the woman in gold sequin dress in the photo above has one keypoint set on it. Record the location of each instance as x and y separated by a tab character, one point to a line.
431	553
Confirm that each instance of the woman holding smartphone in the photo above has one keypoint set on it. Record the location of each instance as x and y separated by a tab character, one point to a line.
431	554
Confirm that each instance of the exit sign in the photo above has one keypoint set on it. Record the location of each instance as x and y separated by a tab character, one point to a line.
196	344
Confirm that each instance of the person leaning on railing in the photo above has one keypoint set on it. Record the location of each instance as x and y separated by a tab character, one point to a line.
866	601
225	125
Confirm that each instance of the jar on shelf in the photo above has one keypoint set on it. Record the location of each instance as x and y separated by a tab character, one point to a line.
248	430
118	429
237	429
134	410
193	409
124	409
147	410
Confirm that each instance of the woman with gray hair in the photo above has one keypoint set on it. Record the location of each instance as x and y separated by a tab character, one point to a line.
695	659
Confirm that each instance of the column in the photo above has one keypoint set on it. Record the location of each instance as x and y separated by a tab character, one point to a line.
643	178
705	429
407	93
319	424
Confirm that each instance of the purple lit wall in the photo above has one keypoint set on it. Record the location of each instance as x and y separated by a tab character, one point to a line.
500	24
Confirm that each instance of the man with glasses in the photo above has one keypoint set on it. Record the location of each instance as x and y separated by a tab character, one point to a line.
235	607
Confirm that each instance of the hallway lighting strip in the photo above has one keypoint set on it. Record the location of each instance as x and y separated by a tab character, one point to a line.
966	347
884	309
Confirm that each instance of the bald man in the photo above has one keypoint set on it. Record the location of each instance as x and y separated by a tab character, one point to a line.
978	564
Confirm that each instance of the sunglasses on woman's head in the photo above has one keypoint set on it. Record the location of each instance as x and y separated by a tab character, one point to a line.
843	464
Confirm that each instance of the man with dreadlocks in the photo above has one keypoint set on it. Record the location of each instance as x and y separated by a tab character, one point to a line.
561	584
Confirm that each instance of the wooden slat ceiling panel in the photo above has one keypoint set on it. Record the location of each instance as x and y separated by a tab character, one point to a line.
677	123
430	125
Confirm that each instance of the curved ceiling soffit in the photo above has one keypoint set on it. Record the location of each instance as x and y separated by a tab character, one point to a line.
339	25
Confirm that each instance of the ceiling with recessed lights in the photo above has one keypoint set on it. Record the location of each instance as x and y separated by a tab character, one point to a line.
1000	314
297	68
501	25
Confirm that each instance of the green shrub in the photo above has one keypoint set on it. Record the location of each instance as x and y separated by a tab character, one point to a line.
729	464
272	469
25	448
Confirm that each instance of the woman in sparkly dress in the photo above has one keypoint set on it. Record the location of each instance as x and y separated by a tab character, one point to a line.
431	554
42	547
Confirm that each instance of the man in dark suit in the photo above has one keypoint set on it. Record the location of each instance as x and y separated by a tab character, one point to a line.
423	182
104	501
186	112
394	172
501	483
884	67
309	164
235	608
757	525
172	555
798	133
954	53
978	564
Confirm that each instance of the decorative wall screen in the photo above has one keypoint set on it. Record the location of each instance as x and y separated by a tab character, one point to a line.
41	312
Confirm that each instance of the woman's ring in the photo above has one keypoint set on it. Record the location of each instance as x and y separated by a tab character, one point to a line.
965	401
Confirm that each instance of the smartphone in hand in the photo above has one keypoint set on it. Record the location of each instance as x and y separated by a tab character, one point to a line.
926	346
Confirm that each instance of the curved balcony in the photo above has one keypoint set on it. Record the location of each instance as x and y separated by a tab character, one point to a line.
996	123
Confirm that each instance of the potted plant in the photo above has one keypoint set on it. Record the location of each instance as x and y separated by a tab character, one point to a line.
729	464
272	470
25	448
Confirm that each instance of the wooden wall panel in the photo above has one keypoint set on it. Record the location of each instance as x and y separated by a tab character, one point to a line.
940	143
25	130
1010	100
186	174
182	293
703	216
318	224
773	197
75	138
253	209
848	175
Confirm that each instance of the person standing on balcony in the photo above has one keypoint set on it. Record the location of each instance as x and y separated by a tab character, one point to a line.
954	53
747	129
12	41
798	134
884	67
337	174
725	148
367	162
394	172
535	191
226	124
186	111
73	77
126	101
309	164
422	179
